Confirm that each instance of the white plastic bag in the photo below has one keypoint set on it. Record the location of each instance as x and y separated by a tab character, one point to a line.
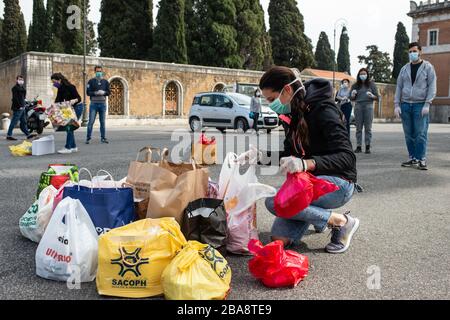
240	193
69	247
34	222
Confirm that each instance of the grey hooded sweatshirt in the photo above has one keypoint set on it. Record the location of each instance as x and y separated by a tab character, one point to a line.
424	88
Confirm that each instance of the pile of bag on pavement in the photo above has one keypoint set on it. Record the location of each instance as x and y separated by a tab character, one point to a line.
164	229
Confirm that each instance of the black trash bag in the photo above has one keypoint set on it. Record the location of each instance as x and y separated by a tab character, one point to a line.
205	221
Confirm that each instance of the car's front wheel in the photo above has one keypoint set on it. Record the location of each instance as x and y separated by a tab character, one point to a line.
241	125
195	124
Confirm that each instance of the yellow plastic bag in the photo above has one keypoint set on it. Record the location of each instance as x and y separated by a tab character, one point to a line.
198	272
23	149
132	258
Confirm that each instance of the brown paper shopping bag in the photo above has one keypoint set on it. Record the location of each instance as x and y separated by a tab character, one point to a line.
168	187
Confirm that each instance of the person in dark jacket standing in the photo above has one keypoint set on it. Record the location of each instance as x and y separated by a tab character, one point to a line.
364	93
19	94
317	142
68	92
97	89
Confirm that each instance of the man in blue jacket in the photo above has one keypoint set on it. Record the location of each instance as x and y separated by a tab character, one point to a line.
97	89
416	90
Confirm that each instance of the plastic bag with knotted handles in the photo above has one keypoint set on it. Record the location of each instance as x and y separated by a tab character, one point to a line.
240	193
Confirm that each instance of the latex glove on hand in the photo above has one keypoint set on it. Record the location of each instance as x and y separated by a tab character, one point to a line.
73	102
251	157
370	95
100	93
293	165
425	110
354	93
397	111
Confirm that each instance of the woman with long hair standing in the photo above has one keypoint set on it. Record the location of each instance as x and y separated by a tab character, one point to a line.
364	93
68	92
255	109
316	142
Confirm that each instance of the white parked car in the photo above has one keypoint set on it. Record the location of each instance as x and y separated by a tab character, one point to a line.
228	111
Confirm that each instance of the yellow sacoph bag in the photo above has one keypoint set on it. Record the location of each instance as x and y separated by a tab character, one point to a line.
23	149
131	259
198	272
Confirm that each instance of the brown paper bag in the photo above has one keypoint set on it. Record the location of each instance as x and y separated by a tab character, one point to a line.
168	187
179	184
204	154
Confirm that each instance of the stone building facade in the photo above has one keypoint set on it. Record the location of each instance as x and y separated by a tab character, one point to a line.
140	89
431	28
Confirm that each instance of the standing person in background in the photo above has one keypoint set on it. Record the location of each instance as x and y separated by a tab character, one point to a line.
97	89
255	109
343	98
68	92
364	92
416	90
19	94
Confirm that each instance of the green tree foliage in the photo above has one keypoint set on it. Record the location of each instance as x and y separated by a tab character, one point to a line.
37	26
169	37
401	50
126	29
252	36
213	42
57	26
14	33
378	63
324	54
343	58
290	46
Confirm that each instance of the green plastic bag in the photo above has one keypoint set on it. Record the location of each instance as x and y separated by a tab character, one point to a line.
57	175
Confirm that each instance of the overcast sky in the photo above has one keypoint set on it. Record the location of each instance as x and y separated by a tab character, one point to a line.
369	21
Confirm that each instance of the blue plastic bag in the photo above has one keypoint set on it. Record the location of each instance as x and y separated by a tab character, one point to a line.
108	208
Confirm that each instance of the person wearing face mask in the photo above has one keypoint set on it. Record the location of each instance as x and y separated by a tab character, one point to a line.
316	142
343	98
255	109
364	92
18	107
97	89
416	90
68	92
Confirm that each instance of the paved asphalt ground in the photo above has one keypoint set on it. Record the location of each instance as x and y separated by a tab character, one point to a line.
404	213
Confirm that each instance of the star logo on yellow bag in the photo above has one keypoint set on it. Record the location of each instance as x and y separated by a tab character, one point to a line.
130	262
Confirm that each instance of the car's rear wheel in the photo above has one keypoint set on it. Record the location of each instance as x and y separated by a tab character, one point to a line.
195	124
269	131
241	125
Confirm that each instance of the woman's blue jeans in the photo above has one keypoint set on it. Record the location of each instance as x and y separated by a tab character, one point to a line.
70	139
317	214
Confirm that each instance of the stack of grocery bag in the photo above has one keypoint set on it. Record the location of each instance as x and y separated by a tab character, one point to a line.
164	229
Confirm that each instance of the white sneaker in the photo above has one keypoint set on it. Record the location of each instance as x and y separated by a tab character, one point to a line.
74	150
64	151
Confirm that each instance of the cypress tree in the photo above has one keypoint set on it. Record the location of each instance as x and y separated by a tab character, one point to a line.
213	42
401	56
251	34
37	27
169	36
58	26
343	59
291	47
126	29
324	54
14	37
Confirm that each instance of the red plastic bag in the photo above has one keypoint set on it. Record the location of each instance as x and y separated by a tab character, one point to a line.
276	267
205	141
298	192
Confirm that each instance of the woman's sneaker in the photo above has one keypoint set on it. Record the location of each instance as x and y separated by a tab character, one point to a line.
342	236
422	165
64	151
74	150
410	163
